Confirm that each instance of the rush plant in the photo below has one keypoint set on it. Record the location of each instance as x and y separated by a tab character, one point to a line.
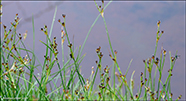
19	82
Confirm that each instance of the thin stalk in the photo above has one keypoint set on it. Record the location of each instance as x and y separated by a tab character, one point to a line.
92	27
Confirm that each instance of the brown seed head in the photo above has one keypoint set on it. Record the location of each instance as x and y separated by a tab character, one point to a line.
6	63
45	26
100	86
96	61
4	26
142	84
144	61
63	15
157	59
141	73
179	97
70	45
98	49
63	24
71	56
171	94
59	20
101	54
136	96
152	56
76	92
99	94
15	71
149	60
108	78
164	52
82	97
114	59
110	55
172	58
115	52
159	22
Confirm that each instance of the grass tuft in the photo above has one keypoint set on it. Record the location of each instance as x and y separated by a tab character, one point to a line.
18	80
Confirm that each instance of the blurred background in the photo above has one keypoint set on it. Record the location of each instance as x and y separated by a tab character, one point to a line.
132	28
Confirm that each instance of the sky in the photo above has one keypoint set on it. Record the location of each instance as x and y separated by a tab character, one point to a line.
132	27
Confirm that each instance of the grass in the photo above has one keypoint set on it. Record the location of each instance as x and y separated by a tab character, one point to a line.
18	81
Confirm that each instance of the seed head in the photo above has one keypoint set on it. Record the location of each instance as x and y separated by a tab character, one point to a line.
63	15
63	24
164	52
96	61
158	23
179	97
141	73
4	26
115	52
45	26
114	59
144	61
136	96
59	20
152	56
99	94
